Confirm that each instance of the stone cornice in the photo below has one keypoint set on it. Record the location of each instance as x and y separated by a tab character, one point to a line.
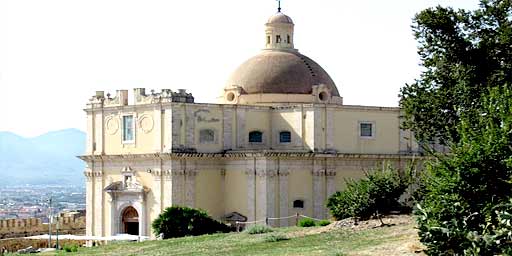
251	154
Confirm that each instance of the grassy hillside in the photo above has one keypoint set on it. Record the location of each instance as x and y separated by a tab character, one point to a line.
399	239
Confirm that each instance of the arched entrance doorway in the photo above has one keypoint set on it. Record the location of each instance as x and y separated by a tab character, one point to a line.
130	221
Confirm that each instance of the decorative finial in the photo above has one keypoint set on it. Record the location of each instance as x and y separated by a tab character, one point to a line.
278	5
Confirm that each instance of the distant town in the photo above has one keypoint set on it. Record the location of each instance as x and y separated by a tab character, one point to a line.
31	201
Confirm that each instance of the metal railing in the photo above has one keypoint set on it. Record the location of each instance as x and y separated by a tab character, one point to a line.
297	217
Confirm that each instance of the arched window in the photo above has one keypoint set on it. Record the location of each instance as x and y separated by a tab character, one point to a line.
278	38
285	137
206	136
298	204
288	38
255	137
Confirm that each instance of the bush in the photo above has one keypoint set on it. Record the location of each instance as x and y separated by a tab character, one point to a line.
259	229
323	223
306	223
467	205
276	237
70	248
178	221
378	193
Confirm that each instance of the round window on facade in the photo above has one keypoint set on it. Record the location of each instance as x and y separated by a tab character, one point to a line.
323	96
230	96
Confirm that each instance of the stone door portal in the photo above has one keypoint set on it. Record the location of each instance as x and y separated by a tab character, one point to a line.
130	221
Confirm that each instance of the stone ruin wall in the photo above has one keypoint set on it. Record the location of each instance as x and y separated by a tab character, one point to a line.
10	228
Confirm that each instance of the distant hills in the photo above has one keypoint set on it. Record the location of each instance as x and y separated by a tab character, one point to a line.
46	159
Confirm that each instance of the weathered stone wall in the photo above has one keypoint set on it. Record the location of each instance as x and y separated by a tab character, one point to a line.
10	228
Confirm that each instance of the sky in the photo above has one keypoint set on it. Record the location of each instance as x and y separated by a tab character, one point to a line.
55	54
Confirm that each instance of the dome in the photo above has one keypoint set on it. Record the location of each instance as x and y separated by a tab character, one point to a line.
277	71
280	18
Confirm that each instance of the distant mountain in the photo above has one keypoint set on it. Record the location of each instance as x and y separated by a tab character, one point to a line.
46	159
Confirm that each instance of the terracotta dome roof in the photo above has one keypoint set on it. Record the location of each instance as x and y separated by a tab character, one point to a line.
280	18
274	71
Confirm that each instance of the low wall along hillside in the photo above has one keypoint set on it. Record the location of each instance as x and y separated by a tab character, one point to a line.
68	224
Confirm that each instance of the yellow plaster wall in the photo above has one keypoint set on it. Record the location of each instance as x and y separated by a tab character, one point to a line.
346	131
346	174
208	118
209	194
300	187
144	140
287	120
235	193
257	120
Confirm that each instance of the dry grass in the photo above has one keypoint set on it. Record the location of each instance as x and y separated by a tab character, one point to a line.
338	238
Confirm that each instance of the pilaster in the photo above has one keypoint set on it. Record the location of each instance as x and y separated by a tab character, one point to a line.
283	197
227	128
329	130
167	191
190	121
318	174
175	125
265	195
330	182
251	193
240	128
190	188
157	192
157	128
98	203
89	202
178	182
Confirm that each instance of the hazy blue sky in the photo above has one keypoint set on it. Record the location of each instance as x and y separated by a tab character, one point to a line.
55	54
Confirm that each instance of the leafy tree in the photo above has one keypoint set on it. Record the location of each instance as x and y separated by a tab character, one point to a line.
464	53
467	207
178	221
378	193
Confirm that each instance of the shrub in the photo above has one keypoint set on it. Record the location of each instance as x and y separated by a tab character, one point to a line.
70	248
259	229
306	223
323	223
377	193
178	221
276	237
467	206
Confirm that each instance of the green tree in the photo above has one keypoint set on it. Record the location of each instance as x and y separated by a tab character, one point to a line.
373	195
464	53
466	208
178	221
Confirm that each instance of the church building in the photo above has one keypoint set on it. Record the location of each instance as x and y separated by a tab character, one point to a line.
279	141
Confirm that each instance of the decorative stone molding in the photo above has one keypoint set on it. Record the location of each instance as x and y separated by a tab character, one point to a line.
146	123
318	172
156	173
190	173
250	172
330	173
167	175
97	174
283	173
89	175
112	124
266	173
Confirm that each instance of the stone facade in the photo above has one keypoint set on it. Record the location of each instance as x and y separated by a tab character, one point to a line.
252	156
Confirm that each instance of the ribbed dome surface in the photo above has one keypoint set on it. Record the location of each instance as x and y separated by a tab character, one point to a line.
274	71
280	18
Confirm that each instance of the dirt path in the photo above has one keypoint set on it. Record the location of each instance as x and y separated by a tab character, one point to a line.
405	240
